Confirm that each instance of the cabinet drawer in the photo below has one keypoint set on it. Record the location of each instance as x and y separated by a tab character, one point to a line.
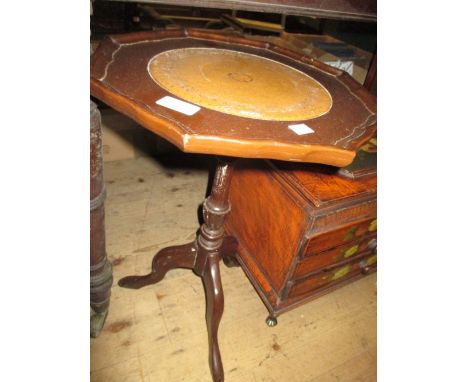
323	241
335	255
333	276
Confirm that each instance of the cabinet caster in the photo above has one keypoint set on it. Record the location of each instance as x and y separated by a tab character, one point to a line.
271	321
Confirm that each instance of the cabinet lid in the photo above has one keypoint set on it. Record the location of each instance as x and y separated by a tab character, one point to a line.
324	185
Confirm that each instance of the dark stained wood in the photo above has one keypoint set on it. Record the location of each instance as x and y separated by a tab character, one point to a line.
180	256
203	256
119	77
229	250
274	221
363	10
100	267
371	76
296	225
209	246
214	311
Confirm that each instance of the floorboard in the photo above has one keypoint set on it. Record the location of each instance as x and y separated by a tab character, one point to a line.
158	333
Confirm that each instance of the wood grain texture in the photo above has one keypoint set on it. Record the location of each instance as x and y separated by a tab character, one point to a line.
354	248
158	333
297	222
326	278
119	77
322	185
264	215
344	234
203	256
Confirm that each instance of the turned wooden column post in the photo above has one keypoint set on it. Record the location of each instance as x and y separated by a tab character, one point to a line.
209	253
101	269
203	256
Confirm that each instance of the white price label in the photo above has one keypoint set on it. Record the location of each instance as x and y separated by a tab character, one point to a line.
301	129
178	105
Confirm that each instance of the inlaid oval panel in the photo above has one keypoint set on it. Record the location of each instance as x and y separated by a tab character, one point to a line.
240	84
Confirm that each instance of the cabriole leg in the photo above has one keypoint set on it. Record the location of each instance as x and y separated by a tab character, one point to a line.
203	256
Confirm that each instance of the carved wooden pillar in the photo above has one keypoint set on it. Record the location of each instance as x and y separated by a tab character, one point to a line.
203	256
101	269
210	252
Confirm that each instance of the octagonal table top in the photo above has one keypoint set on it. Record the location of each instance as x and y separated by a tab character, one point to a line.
216	93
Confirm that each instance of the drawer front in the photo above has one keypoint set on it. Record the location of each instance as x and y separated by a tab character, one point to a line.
347	251
333	276
323	241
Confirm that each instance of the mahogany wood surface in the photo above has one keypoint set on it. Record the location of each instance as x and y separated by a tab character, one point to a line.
371	76
120	77
203	256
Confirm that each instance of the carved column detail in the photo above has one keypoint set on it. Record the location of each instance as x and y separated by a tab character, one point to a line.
203	256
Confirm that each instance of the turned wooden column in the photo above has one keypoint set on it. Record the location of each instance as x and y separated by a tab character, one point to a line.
101	269
203	256
209	253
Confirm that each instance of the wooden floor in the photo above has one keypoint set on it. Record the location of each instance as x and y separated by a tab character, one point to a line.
158	333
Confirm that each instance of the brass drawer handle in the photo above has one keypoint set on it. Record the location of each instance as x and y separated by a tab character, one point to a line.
340	272
368	265
350	251
350	234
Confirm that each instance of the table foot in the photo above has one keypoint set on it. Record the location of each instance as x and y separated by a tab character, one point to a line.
203	257
180	256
